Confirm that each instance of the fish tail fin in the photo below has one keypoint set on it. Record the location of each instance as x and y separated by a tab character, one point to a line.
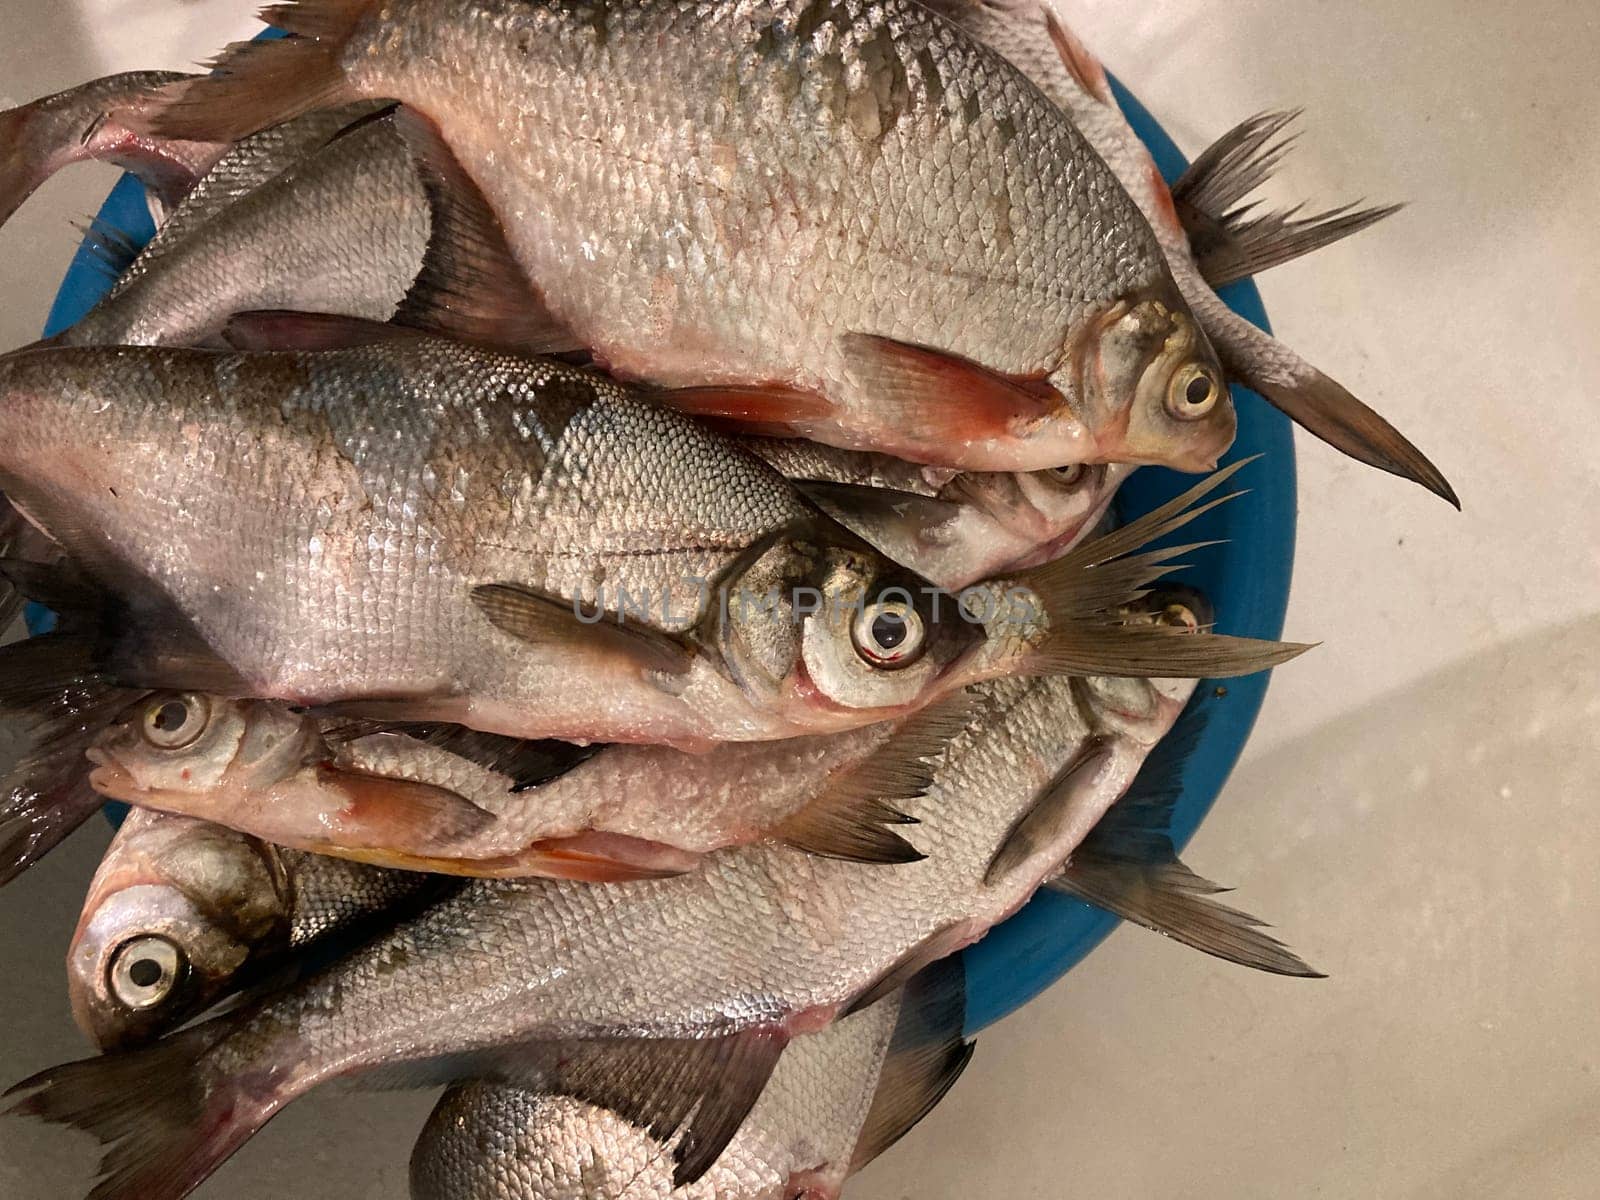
165	1121
1087	596
40	138
1231	241
258	84
1318	404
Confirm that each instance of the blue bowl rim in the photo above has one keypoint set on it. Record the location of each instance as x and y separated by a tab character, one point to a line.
1247	580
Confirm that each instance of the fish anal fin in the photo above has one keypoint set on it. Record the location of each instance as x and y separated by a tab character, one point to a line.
944	397
533	616
332	20
1171	900
308	331
925	1057
701	1087
1079	61
470	286
852	815
1066	800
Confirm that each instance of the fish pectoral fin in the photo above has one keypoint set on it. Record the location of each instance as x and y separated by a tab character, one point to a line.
943	396
598	857
702	1088
1323	407
541	619
285	330
926	1056
772	410
1085	593
381	812
860	505
851	817
1174	901
1231	241
470	286
1062	801
1079	60
114	249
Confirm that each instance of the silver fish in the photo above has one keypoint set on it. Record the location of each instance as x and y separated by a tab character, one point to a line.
182	911
953	276
331	232
837	1099
669	1000
420	802
1033	35
441	570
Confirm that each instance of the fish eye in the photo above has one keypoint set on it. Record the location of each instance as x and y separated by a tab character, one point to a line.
145	970
889	633
1070	475
1179	616
176	721
1193	393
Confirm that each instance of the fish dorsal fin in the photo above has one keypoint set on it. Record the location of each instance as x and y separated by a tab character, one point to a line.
1231	241
1060	803
926	1055
1079	61
852	817
470	286
536	617
701	1087
1128	866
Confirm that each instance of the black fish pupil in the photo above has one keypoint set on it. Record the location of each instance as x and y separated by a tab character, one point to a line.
889	630
1198	391
171	715
146	972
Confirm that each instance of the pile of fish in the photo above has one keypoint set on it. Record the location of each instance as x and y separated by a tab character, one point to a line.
586	541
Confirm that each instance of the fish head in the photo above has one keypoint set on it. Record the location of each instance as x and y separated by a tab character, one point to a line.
1144	709
174	746
1151	389
1047	511
177	909
834	634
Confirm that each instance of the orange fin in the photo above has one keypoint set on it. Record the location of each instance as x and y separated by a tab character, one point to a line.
585	857
1080	63
255	85
470	286
774	410
942	395
382	811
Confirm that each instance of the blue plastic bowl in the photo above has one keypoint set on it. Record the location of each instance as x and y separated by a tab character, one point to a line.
1247	579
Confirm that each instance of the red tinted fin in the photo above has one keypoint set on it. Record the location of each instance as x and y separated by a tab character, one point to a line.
775	410
381	812
1080	63
470	286
255	85
309	331
943	396
610	857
